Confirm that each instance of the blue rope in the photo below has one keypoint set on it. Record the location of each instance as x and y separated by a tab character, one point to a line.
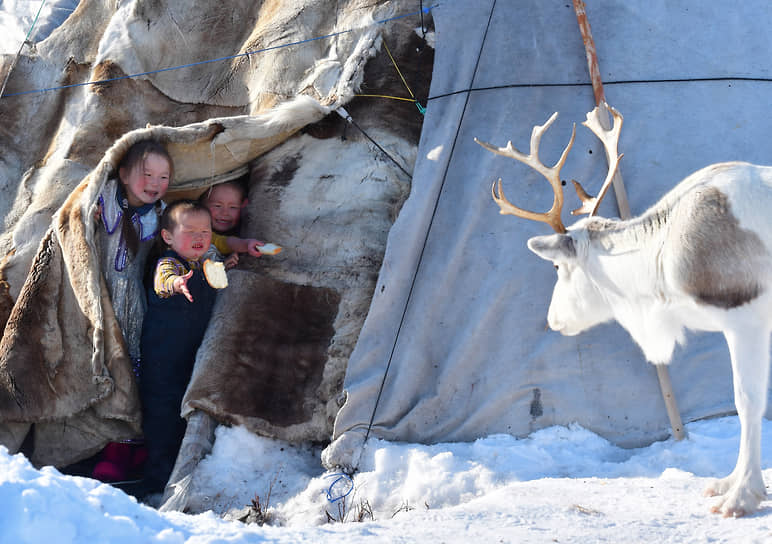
230	57
340	476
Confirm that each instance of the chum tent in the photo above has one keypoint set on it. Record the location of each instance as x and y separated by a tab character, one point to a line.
442	337
238	90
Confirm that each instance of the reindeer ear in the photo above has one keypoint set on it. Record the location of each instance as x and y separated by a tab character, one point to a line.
553	247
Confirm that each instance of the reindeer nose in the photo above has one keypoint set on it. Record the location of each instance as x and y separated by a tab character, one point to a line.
557	325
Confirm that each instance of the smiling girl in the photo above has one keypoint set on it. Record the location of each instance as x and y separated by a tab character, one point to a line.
130	206
129	209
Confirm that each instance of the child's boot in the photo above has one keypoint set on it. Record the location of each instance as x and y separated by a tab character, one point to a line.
115	463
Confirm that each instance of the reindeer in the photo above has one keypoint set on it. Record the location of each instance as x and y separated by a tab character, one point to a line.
700	258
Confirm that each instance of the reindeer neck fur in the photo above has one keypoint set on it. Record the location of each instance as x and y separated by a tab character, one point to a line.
698	254
611	246
624	258
617	236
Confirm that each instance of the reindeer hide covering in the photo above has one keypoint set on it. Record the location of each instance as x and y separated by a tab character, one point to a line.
62	356
227	87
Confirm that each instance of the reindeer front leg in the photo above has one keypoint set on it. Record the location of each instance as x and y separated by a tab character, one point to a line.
743	490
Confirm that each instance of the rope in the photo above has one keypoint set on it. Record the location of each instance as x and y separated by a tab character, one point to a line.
426	237
21	47
418	105
386	96
398	70
340	476
343	113
34	22
605	83
219	59
404	82
423	26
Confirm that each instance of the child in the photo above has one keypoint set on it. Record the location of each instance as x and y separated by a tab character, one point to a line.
129	207
225	202
179	306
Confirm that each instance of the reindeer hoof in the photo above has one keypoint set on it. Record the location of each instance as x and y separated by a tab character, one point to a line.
728	513
737	503
718	487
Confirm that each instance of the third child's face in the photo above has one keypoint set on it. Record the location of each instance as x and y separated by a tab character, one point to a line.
147	182
192	235
225	204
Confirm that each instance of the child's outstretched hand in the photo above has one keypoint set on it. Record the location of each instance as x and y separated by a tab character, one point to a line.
231	260
253	247
181	285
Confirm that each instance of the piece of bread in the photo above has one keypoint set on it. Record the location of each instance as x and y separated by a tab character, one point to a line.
269	249
215	274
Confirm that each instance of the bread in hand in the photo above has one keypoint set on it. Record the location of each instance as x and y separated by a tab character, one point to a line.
215	274
269	249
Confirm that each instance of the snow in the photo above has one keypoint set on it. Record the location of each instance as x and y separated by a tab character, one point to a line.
560	484
18	19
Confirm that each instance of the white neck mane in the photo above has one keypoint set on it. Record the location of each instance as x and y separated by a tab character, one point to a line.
632	281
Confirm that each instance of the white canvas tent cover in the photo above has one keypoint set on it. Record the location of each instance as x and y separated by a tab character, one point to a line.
455	345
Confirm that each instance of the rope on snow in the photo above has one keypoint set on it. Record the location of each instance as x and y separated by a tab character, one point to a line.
338	477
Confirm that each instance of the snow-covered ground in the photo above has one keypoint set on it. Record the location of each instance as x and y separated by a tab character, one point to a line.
558	485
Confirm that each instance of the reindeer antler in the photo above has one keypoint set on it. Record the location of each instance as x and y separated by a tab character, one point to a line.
551	173
610	140
590	204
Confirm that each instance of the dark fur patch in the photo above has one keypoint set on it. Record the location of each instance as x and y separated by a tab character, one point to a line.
6	300
274	352
719	263
331	126
6	304
105	71
280	175
415	61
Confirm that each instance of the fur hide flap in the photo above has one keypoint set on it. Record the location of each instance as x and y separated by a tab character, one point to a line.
266	374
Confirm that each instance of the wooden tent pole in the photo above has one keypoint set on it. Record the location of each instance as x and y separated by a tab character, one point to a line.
600	99
620	192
